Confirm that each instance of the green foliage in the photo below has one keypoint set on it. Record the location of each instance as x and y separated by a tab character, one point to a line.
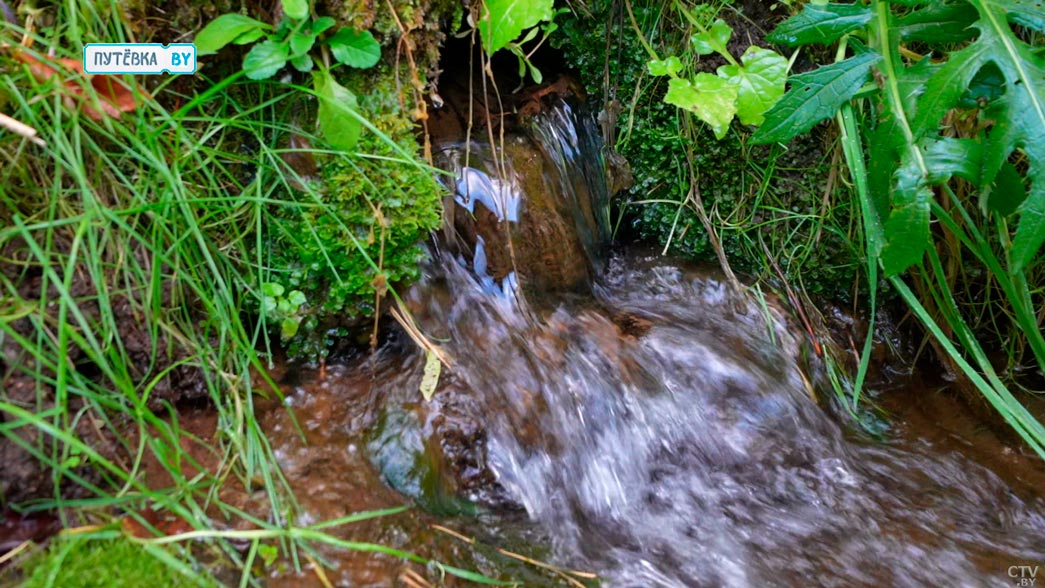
285	310
918	98
744	89
502	23
380	204
815	96
752	193
89	562
337	112
291	43
953	142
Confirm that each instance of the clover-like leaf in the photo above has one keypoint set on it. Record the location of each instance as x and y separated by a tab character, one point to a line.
664	67
713	40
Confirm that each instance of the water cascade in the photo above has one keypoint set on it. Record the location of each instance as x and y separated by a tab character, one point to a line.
656	425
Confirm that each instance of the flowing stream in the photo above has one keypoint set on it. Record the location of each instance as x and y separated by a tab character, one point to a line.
655	427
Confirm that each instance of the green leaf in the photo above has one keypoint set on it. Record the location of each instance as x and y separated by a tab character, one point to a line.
1007	193
337	119
273	289
1031	231
760	82
664	67
1028	13
224	30
815	96
503	21
430	379
947	156
321	24
713	40
249	37
1019	114
289	327
710	97
296	297
938	23
295	9
302	63
265	59
907	230
268	554
301	44
823	24
355	49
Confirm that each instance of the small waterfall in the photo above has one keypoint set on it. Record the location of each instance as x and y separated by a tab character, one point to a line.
657	428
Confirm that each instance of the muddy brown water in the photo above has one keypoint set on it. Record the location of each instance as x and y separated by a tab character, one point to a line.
632	416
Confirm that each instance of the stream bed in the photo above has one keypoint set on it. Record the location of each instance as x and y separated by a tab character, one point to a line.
629	415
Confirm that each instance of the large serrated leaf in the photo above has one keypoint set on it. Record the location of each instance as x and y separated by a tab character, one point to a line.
815	96
947	156
938	23
1007	193
1028	13
907	230
822	24
504	20
760	82
710	97
1020	116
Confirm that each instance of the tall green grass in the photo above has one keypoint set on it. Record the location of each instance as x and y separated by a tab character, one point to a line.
155	224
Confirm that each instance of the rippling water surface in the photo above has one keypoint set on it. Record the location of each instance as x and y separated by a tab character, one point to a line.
654	426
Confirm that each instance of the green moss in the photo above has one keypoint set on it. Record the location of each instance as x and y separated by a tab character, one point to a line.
88	562
379	209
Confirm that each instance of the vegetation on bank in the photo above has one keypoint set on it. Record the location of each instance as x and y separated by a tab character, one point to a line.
150	243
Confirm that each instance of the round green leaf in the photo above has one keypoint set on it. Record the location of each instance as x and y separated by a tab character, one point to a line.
295	9
265	59
301	44
355	49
